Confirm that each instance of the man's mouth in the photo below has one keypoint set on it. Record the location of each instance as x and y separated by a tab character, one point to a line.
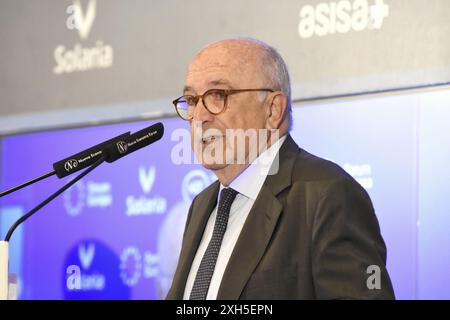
210	138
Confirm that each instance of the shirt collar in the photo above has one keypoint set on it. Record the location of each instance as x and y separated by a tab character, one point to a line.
251	180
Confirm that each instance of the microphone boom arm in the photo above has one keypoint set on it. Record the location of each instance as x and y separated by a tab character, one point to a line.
23	185
53	196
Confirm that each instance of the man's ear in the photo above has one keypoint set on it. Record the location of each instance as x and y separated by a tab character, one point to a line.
277	110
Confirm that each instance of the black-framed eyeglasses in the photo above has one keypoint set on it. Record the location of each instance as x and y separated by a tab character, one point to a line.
214	100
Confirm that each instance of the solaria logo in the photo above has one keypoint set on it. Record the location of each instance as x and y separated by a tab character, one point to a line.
328	18
81	58
146	203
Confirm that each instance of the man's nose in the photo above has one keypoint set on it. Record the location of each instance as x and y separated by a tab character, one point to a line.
201	113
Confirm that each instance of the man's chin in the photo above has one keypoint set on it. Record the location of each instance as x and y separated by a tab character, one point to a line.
213	166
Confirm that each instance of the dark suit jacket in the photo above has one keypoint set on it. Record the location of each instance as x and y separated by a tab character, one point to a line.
311	234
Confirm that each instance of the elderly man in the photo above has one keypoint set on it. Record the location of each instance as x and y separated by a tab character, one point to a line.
294	226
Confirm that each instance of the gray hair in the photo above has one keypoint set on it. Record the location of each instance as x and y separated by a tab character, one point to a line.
276	70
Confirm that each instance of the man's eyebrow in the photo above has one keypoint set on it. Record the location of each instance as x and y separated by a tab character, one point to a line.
188	89
221	82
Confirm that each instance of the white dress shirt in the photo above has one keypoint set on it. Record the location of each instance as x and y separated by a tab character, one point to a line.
248	184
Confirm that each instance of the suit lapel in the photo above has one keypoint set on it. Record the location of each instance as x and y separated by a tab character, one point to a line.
250	247
194	232
259	226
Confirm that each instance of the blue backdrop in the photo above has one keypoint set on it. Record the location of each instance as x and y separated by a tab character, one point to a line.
120	227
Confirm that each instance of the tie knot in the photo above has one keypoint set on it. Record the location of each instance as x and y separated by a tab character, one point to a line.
227	196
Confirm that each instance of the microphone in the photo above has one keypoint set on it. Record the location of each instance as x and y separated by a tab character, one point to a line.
73	163
134	142
84	158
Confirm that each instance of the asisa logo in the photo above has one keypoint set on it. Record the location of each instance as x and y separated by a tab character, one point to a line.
144	204
342	16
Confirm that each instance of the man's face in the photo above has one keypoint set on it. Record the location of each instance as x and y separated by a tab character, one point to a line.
225	66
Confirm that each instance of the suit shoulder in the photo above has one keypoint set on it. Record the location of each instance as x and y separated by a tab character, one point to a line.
323	177
309	168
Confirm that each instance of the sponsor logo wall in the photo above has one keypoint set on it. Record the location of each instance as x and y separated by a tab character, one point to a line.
117	233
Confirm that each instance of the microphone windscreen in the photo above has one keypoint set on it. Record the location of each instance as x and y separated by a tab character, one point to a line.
134	142
84	158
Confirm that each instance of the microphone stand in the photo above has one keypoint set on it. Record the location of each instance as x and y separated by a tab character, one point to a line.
23	185
4	245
